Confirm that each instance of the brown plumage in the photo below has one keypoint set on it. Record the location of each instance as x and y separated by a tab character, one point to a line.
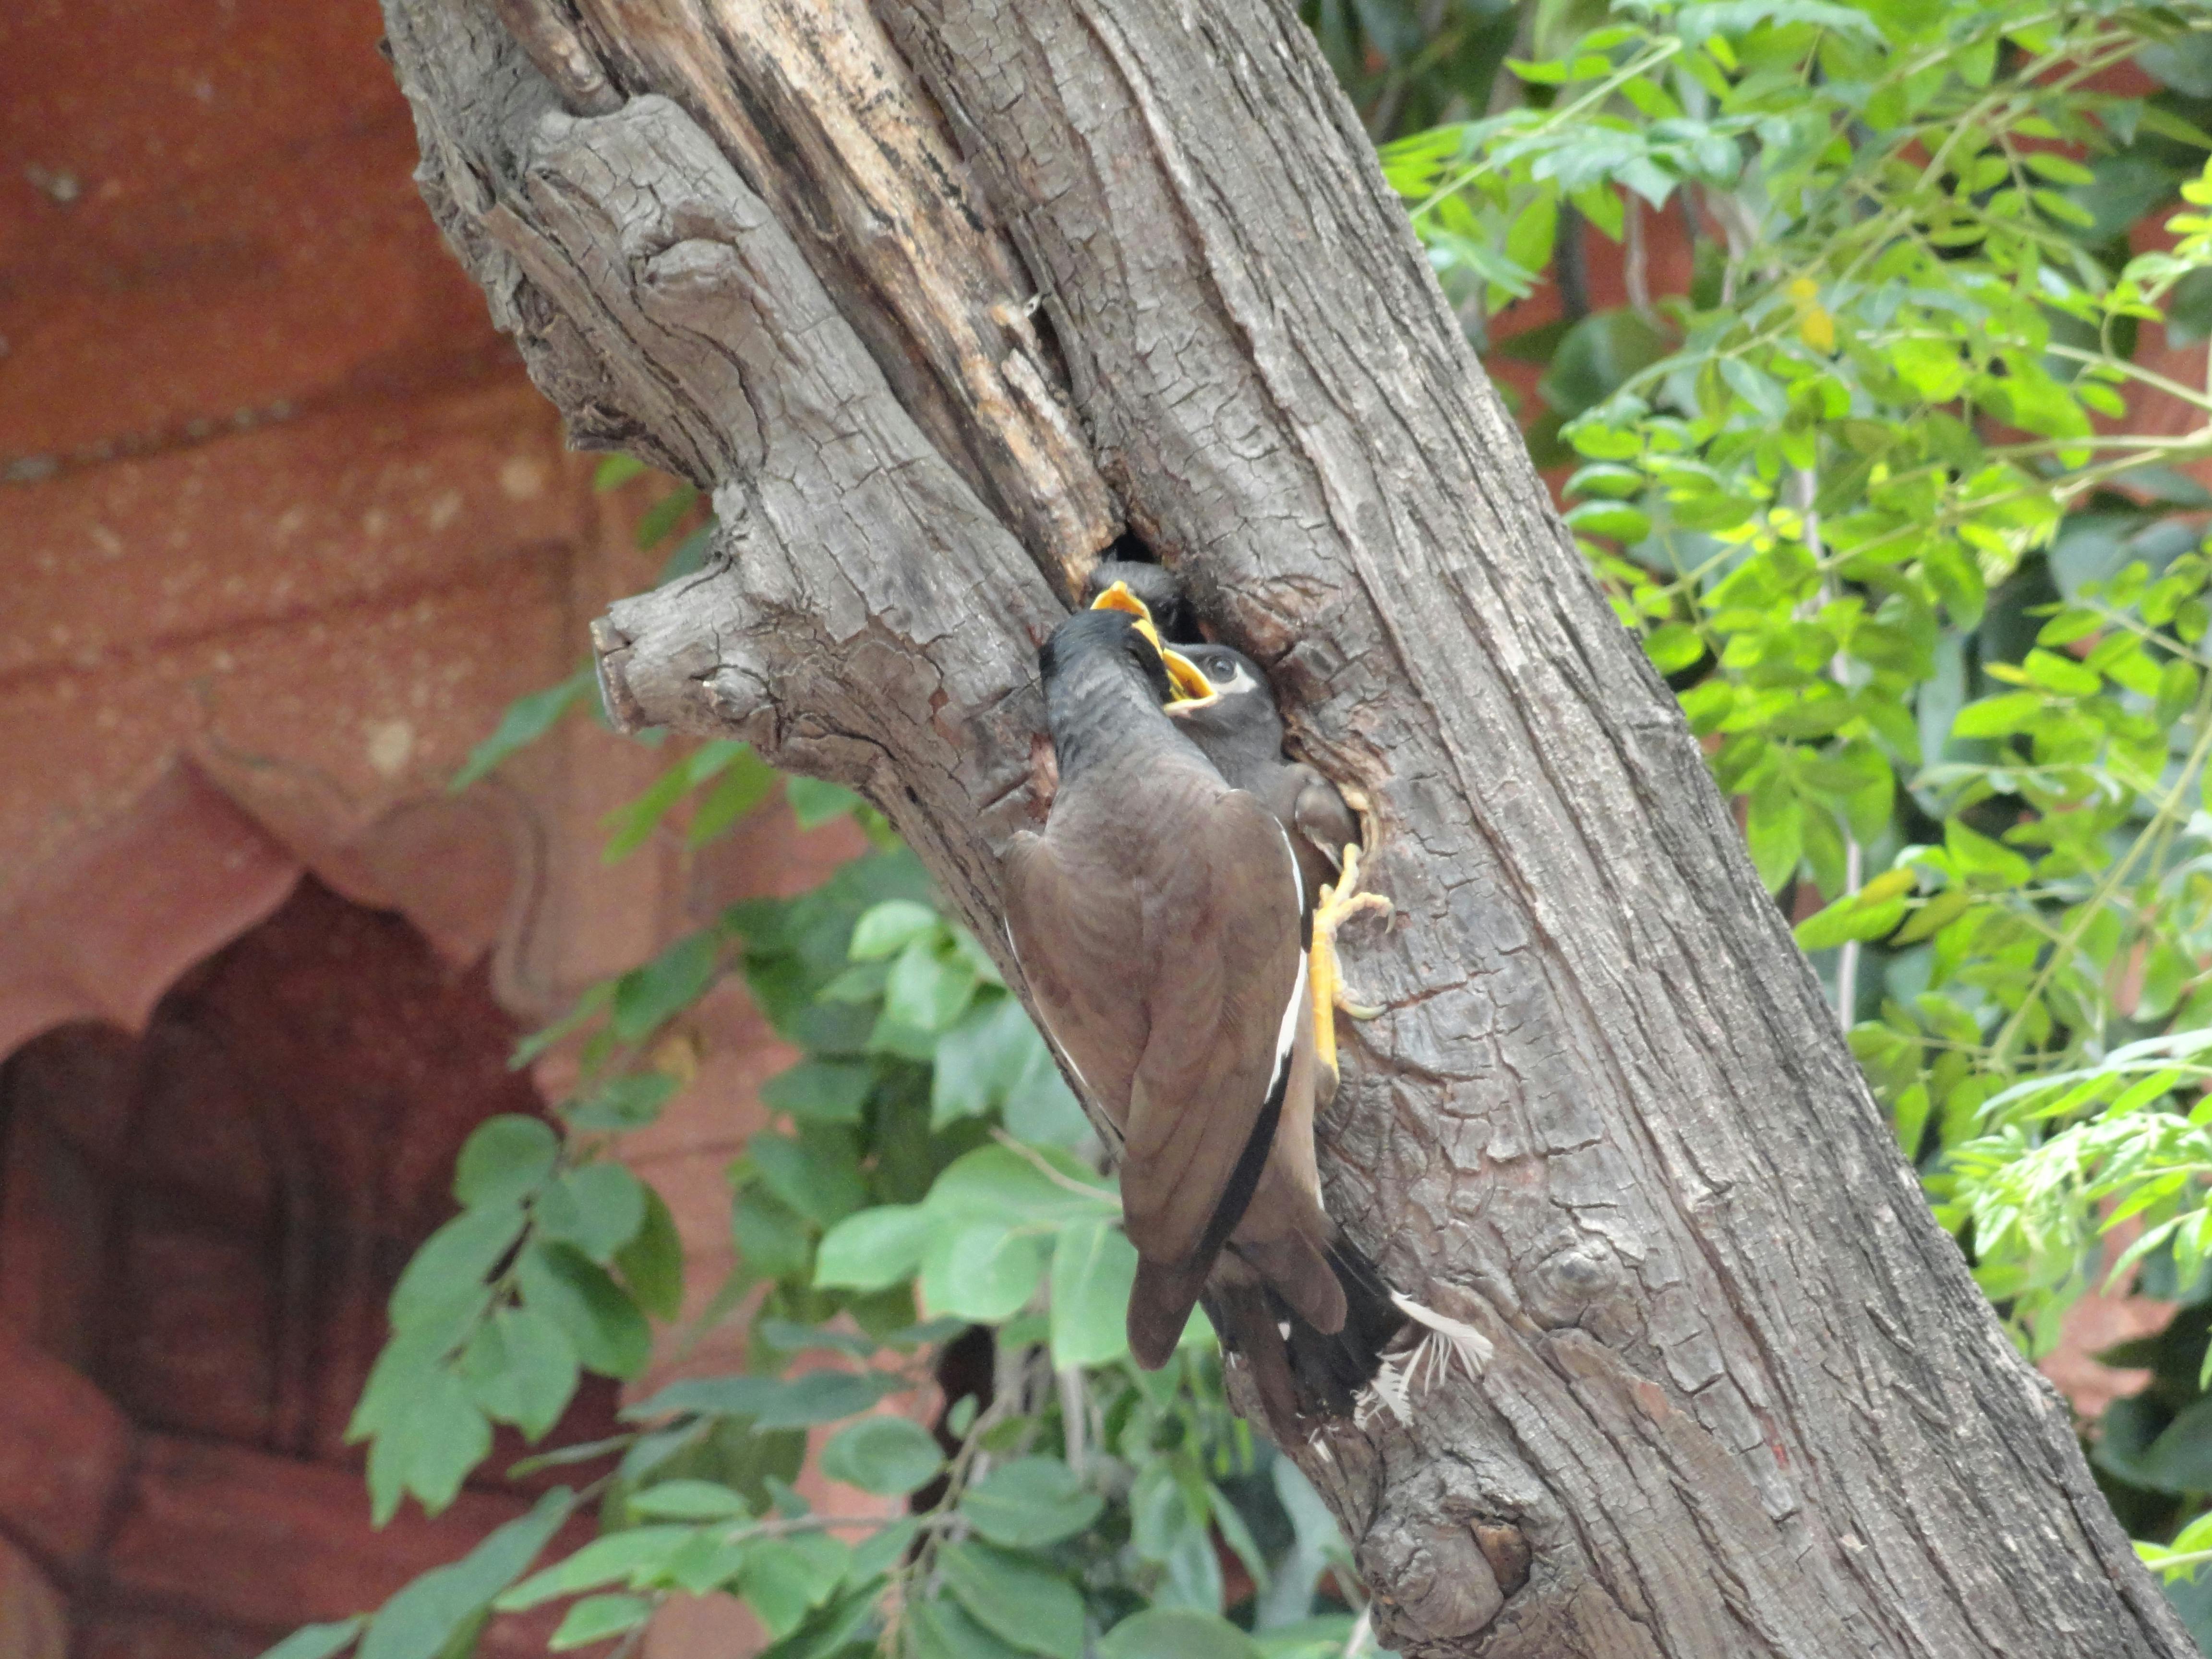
1158	921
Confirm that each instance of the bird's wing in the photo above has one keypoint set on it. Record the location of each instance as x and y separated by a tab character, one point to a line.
1322	816
1228	972
1078	936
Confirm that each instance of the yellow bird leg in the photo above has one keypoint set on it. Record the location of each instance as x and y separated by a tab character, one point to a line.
1340	902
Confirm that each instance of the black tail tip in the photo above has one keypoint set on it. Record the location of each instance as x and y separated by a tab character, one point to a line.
1305	1374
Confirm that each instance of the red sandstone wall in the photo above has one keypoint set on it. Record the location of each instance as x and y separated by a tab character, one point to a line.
283	528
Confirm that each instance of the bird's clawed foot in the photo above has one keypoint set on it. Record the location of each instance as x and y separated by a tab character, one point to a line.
1340	902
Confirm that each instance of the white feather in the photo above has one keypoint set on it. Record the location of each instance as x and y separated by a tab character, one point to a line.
1459	1339
1287	1035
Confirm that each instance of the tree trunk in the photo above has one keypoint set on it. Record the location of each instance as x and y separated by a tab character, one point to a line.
933	300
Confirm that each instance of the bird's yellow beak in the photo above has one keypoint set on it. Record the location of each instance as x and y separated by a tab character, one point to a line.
1187	681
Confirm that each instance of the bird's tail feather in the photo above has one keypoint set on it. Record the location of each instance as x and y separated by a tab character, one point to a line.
1301	1372
1159	1307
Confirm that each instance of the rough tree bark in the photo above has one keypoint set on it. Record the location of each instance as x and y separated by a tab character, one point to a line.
933	299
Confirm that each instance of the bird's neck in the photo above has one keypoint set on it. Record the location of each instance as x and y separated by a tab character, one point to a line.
1098	710
1238	742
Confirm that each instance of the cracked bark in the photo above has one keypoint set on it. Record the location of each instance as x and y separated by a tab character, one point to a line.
1745	1399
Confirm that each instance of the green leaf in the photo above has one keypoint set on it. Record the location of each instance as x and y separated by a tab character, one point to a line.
652	1263
1775	830
1594	358
1094	1268
830	1632
889	1456
1031	1503
609	1334
521	1370
689	555
748	783
427	1448
885	929
421	1620
629	827
1673	647
784	1579
992	1059
773	1240
1978	855
1528	243
616	470
453	1265
1616	520
799	1402
597	1207
647	997
1019	1600
999	1183
940	1629
875	1248
657	522
689	1500
821	1090
819	1175
986	1271
1325	1637
1938	912
1176	1633
614	1558
880	1552
2180	1459
317	1641
632	1101
597	1617
1762	392
2062	674
527	719
814	802
1997	716
505	1160
589	1003
928	987
1849	918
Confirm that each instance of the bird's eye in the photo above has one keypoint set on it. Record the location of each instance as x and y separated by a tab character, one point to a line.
1221	673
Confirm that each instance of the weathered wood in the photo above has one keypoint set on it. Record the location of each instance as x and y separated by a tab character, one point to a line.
1744	1398
823	120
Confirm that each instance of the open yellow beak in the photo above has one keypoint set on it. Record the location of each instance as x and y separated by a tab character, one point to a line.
1187	681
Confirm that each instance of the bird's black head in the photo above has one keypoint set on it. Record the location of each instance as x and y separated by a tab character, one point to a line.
1241	709
1103	646
1156	585
1231	673
1104	685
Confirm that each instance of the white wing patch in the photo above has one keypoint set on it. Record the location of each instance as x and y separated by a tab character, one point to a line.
1287	1037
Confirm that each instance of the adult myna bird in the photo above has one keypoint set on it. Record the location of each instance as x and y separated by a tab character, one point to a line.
1160	921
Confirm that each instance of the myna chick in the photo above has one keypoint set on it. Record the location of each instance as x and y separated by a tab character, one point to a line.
1160	922
1153	586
